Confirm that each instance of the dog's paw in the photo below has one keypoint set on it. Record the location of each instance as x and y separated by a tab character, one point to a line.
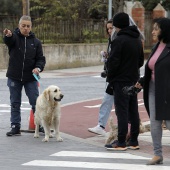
51	136
59	139
36	136
45	140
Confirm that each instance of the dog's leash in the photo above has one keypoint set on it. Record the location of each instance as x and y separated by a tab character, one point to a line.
37	77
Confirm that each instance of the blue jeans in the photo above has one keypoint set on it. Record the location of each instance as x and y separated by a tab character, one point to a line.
105	109
15	88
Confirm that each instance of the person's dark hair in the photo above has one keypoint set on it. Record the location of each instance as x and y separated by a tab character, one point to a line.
164	25
110	21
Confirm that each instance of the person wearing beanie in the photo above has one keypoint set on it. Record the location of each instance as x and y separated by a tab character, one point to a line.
126	58
121	20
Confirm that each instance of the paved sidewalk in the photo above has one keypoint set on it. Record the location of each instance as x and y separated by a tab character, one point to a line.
82	71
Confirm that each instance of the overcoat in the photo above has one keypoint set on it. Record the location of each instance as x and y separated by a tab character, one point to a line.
162	83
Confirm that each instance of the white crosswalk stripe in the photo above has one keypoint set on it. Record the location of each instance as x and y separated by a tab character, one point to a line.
98	155
95	164
5	108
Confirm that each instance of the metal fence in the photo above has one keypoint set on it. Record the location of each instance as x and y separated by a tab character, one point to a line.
71	31
61	31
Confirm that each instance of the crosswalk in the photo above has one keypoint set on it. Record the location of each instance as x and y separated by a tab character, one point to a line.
118	161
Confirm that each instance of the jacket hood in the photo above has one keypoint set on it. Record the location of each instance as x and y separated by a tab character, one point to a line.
17	31
130	30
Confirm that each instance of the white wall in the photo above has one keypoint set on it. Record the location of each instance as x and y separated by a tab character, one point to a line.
59	56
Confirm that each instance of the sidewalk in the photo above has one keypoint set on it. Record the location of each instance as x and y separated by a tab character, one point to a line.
82	71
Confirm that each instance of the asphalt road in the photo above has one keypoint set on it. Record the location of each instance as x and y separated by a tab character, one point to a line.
74	153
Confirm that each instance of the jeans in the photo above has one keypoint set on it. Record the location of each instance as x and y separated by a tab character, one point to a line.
15	88
105	109
156	125
126	108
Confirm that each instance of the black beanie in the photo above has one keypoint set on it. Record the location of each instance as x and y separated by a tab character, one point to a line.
121	20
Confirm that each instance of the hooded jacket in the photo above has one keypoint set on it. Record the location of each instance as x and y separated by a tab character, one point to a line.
126	56
25	54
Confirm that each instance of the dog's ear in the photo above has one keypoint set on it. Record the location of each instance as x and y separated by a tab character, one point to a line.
47	94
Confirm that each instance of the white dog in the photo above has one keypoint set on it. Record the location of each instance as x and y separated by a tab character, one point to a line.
47	112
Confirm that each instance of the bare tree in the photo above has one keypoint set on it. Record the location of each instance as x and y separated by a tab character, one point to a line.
26	7
118	6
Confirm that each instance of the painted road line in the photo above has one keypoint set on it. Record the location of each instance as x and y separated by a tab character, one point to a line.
25	102
24	108
98	155
5	105
93	165
98	105
94	106
97	76
5	111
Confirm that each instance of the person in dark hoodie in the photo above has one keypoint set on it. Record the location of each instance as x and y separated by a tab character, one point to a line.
126	58
25	58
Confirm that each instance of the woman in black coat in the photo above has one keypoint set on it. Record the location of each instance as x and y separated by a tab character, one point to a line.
156	85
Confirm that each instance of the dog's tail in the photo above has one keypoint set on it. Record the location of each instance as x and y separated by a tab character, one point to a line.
113	131
142	128
111	124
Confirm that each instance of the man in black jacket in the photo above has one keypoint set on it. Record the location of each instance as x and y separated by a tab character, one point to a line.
126	57
26	58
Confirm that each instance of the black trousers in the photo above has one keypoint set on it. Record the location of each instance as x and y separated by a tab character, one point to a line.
126	108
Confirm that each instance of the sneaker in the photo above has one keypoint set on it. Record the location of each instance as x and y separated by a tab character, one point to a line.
116	146
98	130
110	145
15	131
133	145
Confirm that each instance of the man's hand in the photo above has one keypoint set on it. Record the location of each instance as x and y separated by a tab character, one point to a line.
138	85
36	71
7	32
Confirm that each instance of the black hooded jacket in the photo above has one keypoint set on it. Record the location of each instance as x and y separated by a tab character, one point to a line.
126	56
25	55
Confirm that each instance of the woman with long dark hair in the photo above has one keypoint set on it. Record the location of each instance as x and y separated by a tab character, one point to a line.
156	85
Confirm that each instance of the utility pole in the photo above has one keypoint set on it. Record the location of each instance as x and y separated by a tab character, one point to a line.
26	7
109	9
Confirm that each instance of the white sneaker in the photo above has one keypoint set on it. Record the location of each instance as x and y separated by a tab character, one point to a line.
98	130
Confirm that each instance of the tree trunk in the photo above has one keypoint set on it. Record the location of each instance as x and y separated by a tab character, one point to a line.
26	7
118	6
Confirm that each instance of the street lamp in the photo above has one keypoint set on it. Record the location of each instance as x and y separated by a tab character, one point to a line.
109	9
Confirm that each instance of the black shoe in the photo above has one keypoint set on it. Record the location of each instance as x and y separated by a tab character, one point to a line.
41	129
110	145
116	146
15	131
